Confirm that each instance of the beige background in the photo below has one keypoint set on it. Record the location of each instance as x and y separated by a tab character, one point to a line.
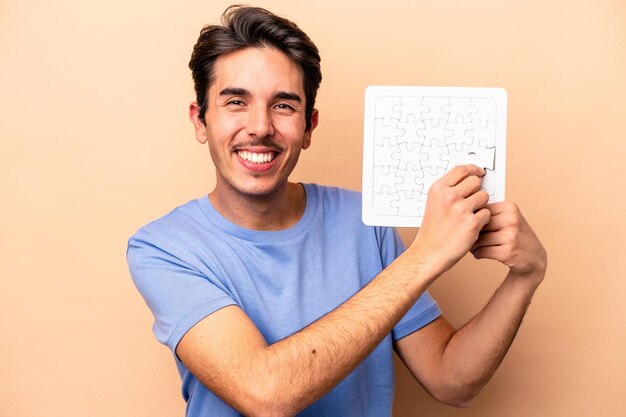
95	142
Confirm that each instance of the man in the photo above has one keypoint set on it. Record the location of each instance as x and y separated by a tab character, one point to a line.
273	296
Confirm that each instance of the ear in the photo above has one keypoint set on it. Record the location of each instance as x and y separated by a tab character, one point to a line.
315	119
198	124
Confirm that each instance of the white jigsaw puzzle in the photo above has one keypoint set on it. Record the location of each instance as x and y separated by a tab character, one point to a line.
414	135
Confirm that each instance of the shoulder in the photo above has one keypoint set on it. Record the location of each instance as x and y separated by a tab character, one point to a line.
341	206
335	198
185	237
345	206
180	223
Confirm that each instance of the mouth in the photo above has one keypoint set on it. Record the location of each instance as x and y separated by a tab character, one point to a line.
257	160
257	157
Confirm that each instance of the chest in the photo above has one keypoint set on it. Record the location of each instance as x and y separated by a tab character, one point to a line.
283	287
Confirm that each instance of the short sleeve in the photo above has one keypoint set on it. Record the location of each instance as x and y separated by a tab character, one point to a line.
425	309
178	295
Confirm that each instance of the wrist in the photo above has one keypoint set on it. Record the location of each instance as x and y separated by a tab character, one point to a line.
531	280
428	265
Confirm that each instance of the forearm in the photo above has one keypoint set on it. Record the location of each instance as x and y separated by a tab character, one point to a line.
475	351
299	369
309	363
229	355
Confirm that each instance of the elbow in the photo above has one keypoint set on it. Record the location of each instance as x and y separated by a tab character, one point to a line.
264	400
268	410
458	400
461	402
458	394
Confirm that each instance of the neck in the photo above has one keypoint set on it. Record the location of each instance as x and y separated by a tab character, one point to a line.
276	211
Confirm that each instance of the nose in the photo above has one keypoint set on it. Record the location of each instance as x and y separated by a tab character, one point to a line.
260	123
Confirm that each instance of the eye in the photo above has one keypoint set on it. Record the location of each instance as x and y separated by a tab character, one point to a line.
284	107
235	102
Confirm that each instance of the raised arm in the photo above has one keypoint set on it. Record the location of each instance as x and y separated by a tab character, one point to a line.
229	355
456	368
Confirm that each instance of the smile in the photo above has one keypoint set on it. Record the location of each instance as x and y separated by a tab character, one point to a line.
257	158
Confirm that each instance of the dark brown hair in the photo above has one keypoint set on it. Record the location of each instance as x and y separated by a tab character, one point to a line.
244	27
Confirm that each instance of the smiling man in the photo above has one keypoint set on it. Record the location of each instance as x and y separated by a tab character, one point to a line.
255	123
273	296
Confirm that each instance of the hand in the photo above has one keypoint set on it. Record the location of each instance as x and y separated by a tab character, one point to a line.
508	238
455	214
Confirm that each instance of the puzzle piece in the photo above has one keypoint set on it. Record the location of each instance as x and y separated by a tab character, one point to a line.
387	129
434	131
489	184
408	205
411	179
428	180
384	154
486	109
484	133
411	128
408	154
481	156
386	177
472	154
385	108
411	106
436	110
382	203
461	107
434	157
459	136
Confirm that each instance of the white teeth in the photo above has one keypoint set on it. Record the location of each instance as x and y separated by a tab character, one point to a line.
257	158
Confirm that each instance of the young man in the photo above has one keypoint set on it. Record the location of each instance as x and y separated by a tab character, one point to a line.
273	296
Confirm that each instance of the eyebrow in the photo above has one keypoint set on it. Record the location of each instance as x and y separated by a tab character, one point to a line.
236	91
288	96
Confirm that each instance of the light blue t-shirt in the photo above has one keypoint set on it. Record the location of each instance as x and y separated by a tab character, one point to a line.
193	261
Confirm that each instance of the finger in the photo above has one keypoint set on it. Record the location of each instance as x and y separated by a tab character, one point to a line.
504	214
500	207
478	200
489	252
460	172
483	215
488	239
469	185
499	215
496	222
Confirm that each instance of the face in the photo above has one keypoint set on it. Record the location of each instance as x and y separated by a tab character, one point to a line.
255	121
